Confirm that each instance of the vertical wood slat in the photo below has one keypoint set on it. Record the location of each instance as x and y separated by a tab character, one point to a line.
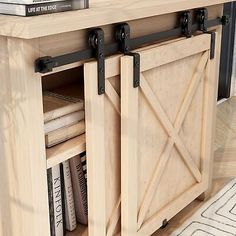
23	159
209	118
129	155
95	146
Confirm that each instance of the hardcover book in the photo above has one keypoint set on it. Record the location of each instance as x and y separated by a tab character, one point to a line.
84	163
56	105
42	8
79	189
55	201
61	135
63	121
26	2
70	216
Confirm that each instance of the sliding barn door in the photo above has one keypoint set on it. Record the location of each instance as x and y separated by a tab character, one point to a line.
166	132
103	148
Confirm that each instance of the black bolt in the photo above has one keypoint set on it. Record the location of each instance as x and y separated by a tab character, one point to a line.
101	90
96	41
202	18
127	48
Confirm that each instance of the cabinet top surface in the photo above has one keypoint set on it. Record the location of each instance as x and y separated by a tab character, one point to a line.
100	13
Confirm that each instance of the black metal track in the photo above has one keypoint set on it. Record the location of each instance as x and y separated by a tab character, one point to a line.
227	50
42	64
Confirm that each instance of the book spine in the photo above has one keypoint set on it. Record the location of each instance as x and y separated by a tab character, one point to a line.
28	2
57	201
70	216
52	7
50	200
79	189
84	164
41	1
63	198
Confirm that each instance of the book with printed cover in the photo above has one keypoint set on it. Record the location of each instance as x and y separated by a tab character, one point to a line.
27	2
70	216
41	8
79	189
55	197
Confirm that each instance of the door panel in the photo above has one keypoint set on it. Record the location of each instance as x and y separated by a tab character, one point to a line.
103	148
165	160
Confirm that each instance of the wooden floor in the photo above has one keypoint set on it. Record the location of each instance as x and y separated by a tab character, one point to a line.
224	165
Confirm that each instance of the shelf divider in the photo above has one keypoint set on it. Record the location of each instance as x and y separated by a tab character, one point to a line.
64	151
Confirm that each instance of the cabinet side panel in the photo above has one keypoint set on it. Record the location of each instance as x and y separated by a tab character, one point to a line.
23	180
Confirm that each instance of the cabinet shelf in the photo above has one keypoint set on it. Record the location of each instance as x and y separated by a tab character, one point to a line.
81	230
65	151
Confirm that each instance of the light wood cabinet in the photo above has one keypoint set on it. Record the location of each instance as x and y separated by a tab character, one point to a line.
148	148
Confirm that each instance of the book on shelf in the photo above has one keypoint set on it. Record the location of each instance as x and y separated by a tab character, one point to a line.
79	190
27	2
56	105
35	9
63	134
63	121
70	217
84	164
55	196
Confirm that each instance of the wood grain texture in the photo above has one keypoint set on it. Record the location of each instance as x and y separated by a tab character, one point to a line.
188	211
171	90
209	118
100	13
103	148
224	161
177	125
129	147
65	151
24	195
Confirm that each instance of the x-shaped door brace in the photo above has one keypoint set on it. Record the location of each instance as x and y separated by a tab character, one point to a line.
173	133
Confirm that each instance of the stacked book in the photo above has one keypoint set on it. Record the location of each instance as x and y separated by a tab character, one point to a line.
40	7
67	193
63	118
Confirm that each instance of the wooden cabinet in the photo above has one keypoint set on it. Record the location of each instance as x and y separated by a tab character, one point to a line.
148	148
